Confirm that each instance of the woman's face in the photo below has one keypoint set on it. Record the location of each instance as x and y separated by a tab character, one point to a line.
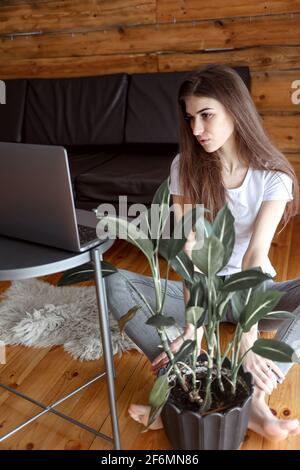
211	124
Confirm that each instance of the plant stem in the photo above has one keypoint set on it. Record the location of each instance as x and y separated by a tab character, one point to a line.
170	355
219	358
234	368
165	292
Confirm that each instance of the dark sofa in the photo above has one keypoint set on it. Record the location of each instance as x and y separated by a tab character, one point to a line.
120	130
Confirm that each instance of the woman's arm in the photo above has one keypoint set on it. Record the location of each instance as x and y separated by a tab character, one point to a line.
264	230
265	227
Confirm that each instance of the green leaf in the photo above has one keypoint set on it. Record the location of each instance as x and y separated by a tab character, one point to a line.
222	306
127	317
155	413
182	230
280	314
198	294
119	227
223	229
85	272
160	391
159	321
162	195
185	351
274	350
181	263
238	300
258	306
193	315
209	259
245	279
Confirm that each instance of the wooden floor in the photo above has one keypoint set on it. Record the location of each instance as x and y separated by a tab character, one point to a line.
49	373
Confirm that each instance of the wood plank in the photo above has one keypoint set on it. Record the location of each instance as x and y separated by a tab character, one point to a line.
257	58
294	159
195	36
69	14
78	66
284	131
89	407
136	391
285	400
168	10
272	91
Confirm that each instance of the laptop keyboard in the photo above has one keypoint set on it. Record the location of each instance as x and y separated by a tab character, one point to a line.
86	234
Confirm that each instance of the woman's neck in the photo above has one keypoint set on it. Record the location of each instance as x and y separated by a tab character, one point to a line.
231	161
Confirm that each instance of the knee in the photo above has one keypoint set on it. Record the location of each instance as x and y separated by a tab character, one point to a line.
116	288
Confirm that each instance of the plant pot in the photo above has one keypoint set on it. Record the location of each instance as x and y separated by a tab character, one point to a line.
188	430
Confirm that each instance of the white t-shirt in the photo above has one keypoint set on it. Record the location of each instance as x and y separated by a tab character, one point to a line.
244	203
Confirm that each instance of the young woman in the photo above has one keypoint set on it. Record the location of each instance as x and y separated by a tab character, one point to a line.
225	156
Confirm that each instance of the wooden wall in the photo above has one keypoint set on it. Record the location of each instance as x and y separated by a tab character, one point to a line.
51	38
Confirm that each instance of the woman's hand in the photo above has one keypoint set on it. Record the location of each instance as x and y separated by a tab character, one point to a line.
162	359
266	373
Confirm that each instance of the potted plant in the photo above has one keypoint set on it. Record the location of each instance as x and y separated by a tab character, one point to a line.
204	400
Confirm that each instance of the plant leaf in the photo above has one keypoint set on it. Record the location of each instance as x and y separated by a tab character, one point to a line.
223	229
245	279
127	317
258	306
238	300
209	259
85	272
185	351
181	263
198	295
154	413
193	315
280	314
181	231
119	227
159	392
159	321
162	194
274	350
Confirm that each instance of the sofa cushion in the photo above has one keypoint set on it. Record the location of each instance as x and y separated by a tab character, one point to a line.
12	112
85	158
76	111
152	105
136	172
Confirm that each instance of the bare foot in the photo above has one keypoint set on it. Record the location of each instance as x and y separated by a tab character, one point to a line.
140	413
263	422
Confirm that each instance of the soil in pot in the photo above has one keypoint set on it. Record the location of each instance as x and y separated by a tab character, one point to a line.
221	401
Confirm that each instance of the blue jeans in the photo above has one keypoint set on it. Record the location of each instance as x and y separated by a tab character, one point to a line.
122	297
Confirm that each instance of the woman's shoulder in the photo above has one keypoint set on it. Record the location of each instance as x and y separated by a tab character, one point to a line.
174	174
269	176
175	161
277	184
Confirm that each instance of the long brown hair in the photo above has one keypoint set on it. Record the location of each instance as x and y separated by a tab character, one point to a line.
201	172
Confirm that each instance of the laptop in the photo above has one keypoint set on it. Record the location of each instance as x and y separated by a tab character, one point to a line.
36	198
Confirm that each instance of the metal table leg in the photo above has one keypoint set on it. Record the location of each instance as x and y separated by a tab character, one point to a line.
106	344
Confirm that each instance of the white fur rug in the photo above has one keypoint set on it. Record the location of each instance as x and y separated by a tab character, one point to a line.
35	313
